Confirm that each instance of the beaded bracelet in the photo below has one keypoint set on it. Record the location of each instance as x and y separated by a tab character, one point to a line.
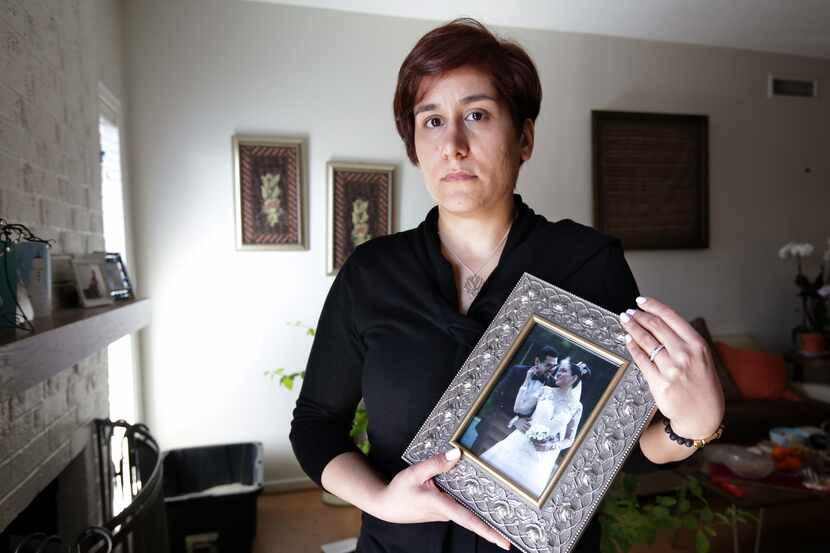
697	444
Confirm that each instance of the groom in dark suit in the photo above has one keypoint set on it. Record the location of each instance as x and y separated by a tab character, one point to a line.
494	426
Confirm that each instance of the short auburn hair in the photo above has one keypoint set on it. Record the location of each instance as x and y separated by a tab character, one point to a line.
466	42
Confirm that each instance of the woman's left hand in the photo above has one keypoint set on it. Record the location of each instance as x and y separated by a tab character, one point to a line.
682	376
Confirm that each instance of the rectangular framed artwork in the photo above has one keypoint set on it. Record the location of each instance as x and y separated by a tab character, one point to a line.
651	179
359	207
269	193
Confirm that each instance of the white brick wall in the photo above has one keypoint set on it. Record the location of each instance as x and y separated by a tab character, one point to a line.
53	416
49	144
50	181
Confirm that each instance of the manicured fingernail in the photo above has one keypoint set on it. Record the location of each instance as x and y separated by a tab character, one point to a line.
624	317
630	312
453	454
641	300
627	338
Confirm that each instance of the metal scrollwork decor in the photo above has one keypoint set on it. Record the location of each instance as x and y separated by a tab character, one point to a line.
545	410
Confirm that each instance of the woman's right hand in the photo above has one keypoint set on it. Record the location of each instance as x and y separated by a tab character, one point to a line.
523	424
412	496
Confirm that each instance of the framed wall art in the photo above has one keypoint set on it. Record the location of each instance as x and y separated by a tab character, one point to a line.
651	179
545	410
269	193
359	207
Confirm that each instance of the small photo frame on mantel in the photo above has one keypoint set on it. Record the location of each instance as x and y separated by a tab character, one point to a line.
269	192
359	207
545	410
91	283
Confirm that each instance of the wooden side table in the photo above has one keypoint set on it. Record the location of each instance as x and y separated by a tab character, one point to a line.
809	368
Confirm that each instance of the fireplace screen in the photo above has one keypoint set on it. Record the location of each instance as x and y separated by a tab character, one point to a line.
132	499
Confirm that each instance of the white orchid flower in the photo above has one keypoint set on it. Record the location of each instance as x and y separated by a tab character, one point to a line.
785	251
806	249
824	291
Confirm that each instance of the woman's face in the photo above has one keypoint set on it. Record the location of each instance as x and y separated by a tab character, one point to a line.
463	127
564	376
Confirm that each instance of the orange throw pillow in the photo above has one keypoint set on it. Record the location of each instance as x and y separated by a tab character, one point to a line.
758	374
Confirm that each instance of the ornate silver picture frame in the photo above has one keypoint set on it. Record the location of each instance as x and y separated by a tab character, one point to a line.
545	410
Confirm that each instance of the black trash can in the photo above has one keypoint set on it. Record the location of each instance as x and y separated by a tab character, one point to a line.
210	495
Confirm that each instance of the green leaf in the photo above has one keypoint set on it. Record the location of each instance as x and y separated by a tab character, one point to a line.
666	501
709	530
690	522
701	542
706	515
695	488
723	518
287	382
661	512
749	516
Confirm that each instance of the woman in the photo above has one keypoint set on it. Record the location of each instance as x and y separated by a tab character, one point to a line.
529	454
405	310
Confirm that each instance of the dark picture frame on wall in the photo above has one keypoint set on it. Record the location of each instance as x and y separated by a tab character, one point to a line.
545	410
269	192
651	179
359	207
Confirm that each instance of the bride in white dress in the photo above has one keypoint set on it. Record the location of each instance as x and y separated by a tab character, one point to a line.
528	455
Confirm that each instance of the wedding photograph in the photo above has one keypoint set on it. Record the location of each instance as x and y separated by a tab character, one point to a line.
543	395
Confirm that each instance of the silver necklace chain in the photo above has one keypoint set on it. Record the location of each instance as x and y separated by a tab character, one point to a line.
473	283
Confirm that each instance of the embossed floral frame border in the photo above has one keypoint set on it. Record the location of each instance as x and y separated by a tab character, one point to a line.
346	182
553	522
284	156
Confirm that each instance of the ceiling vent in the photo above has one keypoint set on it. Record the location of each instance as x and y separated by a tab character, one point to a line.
786	86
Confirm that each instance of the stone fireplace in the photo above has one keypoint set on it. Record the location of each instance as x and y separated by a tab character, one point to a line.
47	448
50	180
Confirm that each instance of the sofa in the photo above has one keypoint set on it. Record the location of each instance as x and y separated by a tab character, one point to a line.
748	421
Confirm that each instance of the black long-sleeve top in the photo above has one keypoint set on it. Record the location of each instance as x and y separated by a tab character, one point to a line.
391	333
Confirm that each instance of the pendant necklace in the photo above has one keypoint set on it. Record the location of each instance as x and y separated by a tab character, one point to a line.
474	282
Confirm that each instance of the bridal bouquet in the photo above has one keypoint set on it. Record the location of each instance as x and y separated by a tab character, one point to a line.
541	437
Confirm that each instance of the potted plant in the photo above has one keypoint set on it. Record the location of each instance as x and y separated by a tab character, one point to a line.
359	424
628	520
809	335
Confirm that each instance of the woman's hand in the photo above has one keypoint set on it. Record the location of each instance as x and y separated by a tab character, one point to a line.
523	425
412	496
682	376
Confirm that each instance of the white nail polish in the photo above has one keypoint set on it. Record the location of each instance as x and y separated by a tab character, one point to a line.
453	454
630	312
627	338
640	300
624	317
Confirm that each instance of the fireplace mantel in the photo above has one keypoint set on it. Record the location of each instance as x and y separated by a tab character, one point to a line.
63	339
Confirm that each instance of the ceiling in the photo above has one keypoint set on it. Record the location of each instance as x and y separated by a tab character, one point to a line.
799	27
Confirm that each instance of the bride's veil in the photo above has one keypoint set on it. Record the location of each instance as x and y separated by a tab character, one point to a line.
575	393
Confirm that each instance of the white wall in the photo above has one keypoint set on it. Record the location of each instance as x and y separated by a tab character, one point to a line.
200	71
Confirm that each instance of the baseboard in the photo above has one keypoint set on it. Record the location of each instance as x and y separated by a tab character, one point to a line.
288	485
